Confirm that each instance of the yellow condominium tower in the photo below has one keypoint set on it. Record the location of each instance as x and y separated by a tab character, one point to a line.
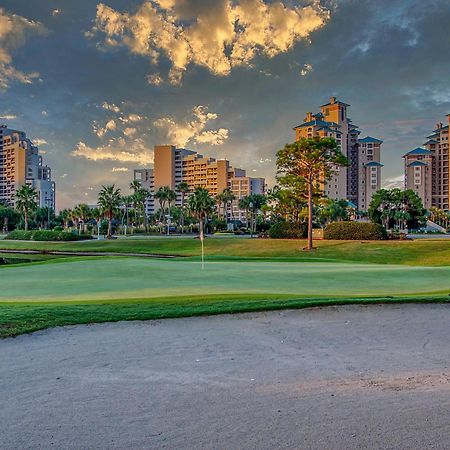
174	165
357	182
20	163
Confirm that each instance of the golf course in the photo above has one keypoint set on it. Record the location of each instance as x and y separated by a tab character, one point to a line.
88	282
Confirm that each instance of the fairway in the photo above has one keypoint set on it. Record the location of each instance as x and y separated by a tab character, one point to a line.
138	278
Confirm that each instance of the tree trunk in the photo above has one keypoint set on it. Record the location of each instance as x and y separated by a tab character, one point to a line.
310	215
202	237
25	218
182	213
5	225
109	235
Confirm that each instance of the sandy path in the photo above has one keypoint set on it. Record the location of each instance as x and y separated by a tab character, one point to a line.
375	377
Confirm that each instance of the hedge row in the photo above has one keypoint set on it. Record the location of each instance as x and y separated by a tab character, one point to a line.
288	230
358	231
45	235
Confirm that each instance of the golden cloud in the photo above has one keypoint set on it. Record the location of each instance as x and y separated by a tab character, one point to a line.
222	35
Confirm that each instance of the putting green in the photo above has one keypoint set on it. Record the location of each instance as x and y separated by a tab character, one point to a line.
126	278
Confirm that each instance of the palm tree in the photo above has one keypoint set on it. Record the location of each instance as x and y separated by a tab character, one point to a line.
171	197
163	194
228	198
201	204
244	204
313	161
109	201
82	213
135	185
65	215
6	214
140	198
219	199
26	201
183	188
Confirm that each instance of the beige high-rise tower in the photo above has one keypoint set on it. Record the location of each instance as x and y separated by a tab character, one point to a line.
427	169
357	182
174	165
20	164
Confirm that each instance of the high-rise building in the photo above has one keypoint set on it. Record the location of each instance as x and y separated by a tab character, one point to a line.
427	169
174	165
20	164
145	177
357	182
419	174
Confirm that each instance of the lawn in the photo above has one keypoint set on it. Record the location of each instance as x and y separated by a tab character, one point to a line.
419	252
240	275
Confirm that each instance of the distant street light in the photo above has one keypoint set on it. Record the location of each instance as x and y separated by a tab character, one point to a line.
168	217
251	219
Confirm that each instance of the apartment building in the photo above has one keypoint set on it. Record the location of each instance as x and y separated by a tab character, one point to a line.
418	174
427	169
145	177
20	164
174	165
357	182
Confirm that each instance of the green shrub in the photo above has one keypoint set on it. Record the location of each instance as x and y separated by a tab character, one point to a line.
84	237
58	228
19	235
66	236
45	235
363	231
288	230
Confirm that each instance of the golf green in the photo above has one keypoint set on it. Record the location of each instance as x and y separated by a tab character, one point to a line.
127	278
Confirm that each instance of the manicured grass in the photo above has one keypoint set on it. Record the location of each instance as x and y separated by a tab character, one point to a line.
419	252
16	319
240	275
84	279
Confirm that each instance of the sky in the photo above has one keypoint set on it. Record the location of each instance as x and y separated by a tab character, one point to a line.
96	84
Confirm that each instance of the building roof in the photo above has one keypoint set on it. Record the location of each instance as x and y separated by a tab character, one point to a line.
419	151
373	164
431	142
326	129
336	102
311	123
437	130
370	139
417	163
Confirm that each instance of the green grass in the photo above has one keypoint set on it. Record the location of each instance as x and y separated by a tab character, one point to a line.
419	252
21	318
84	279
240	275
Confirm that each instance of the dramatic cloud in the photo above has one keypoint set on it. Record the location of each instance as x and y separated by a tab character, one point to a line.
181	133
221	35
129	132
101	131
306	69
394	182
39	141
155	79
8	117
14	31
118	149
110	107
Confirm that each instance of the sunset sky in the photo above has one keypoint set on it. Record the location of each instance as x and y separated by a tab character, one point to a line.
98	84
